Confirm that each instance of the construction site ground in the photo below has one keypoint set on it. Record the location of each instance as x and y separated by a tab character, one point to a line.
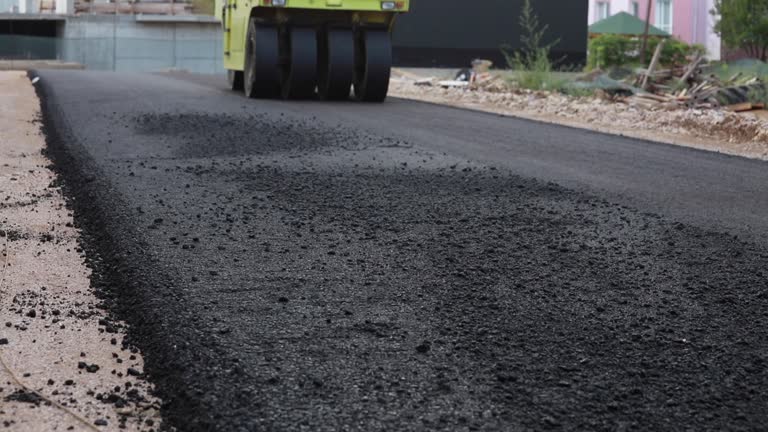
742	134
63	361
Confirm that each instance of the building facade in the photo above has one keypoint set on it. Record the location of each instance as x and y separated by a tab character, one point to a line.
60	7
687	20
129	35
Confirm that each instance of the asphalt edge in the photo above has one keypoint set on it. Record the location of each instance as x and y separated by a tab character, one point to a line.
542	122
119	275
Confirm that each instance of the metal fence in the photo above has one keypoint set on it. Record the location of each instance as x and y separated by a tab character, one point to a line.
119	53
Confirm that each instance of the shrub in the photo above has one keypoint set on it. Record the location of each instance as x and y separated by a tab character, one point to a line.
610	50
532	62
614	50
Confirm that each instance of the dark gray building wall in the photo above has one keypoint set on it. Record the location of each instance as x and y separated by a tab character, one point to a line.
24	39
453	32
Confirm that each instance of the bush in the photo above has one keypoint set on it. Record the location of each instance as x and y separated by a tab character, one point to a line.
532	61
675	51
610	50
614	50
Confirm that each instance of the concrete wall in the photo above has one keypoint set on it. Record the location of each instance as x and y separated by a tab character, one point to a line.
451	33
125	43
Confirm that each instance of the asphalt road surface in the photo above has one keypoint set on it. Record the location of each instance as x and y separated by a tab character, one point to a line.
318	266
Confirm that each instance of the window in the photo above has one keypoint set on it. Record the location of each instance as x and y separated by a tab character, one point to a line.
603	10
664	15
635	8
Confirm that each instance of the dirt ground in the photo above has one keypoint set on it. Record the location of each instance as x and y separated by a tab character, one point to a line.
63	364
714	130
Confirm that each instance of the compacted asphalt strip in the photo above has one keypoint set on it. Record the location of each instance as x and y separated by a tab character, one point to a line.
315	266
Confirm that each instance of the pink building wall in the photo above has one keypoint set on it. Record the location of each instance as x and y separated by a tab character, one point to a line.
691	19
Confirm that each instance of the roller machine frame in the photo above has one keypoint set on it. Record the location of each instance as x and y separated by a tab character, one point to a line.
300	49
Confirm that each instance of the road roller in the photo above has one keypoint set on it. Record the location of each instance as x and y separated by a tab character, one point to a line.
301	49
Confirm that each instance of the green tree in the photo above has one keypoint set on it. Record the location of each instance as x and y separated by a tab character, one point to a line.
744	24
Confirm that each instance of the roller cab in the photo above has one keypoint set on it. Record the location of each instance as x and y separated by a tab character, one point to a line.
298	49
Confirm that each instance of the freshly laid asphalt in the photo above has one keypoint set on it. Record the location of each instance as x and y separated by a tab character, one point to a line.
318	266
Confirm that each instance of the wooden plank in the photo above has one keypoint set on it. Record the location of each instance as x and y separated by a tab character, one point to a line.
740	107
691	69
733	79
655	97
654	63
451	83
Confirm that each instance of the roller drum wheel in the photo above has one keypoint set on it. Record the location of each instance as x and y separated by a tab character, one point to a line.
262	70
298	53
373	62
235	80
336	65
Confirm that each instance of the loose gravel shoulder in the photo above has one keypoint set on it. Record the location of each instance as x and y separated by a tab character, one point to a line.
283	272
63	361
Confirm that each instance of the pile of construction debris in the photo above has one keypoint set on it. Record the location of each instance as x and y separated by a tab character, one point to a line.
694	85
469	78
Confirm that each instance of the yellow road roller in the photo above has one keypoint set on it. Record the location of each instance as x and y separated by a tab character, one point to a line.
301	49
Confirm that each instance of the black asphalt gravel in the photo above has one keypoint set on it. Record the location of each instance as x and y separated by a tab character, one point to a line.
313	266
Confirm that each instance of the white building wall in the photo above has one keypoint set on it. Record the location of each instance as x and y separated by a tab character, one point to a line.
616	7
713	41
65	7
